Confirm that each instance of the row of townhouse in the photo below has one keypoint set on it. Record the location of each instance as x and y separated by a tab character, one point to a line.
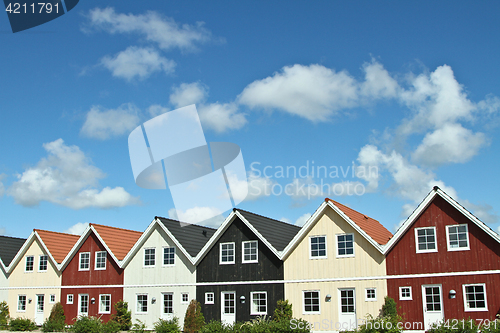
442	263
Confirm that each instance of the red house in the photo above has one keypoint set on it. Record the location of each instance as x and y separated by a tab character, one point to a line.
92	279
445	265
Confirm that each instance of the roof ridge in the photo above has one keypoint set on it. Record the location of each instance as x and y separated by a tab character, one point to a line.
193	224
269	218
56	232
13	237
338	203
108	226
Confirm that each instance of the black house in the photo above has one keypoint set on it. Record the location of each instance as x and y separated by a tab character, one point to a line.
239	271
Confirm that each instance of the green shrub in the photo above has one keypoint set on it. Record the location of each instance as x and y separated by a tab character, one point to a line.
110	327
138	327
55	322
194	320
4	315
491	326
123	315
215	326
455	326
380	324
85	324
283	311
22	324
167	326
389	309
52	326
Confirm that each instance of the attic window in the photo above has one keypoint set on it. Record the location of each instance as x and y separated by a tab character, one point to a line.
458	237
226	253
250	251
84	261
100	260
30	261
426	239
42	266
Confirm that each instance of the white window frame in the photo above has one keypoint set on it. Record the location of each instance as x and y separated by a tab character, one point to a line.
46	262
256	260
252	313
80	262
80	303
100	303
304	302
25	302
26	264
163	302
405	298
68	296
366	295
466	305
310	248
353	246
182	298
144	257
213	297
50	298
137	303
448	237
220	254
435	241
163	253
105	259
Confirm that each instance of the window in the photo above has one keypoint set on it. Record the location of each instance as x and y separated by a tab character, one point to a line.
84	261
259	303
149	257
52	298
168	256
100	260
209	298
168	303
184	298
371	294
311	301
345	245
42	265
83	306
475	297
227	253
30	260
318	246
250	251
21	303
40	303
458	237
426	239
69	299
142	303
405	293
105	303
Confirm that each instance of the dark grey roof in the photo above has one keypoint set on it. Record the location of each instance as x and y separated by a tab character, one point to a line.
277	233
9	246
191	236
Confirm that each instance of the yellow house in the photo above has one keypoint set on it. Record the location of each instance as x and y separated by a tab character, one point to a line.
334	268
34	274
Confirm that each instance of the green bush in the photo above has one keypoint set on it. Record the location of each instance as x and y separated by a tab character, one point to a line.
52	326
455	326
138	327
56	320
85	324
215	326
380	324
22	324
194	320
283	311
491	327
389	309
110	327
4	315
123	315
167	326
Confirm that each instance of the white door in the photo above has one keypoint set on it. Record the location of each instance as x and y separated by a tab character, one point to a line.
39	307
347	307
83	305
228	307
433	304
167	311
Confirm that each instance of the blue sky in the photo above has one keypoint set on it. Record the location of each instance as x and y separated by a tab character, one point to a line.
407	89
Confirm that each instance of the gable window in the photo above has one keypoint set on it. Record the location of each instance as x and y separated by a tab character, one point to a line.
184	298
168	303
209	298
318	246
259	303
311	301
149	257
458	237
142	303
345	245
370	294
100	260
475	297
42	265
226	253
168	256
21	303
405	293
105	303
52	298
30	261
69	299
426	239
250	251
84	261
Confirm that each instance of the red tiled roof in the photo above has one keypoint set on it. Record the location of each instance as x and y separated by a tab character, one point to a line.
59	244
371	226
118	240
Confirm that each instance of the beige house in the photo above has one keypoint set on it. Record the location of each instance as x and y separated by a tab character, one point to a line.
334	268
34	274
9	246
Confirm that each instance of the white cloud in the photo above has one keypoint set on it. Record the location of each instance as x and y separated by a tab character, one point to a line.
137	62
2	186
302	219
378	83
103	124
207	216
156	110
258	186
188	93
164	31
77	229
66	177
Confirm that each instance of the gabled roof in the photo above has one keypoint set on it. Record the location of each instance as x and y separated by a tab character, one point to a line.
119	241
9	246
58	243
436	191
273	233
